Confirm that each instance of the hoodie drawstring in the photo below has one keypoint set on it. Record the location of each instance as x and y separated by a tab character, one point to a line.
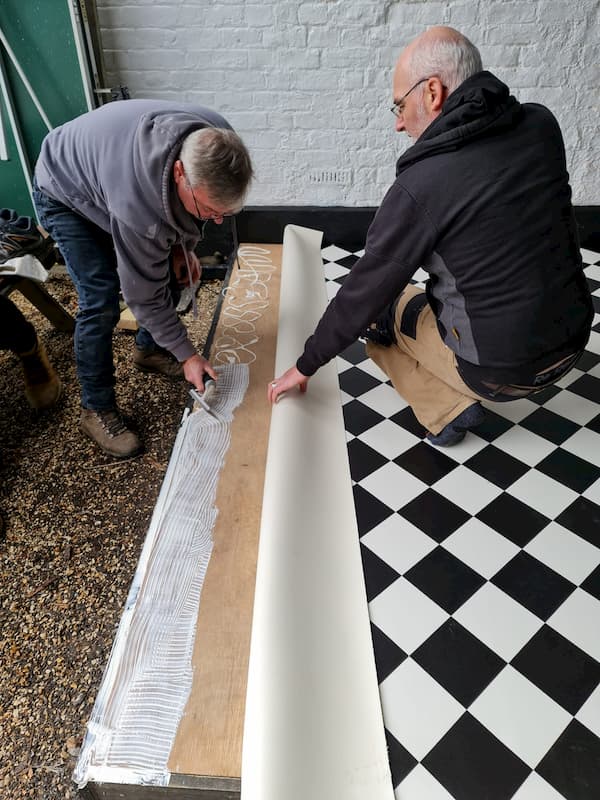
235	243
193	286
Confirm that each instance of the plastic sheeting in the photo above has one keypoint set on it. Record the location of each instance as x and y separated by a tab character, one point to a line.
313	726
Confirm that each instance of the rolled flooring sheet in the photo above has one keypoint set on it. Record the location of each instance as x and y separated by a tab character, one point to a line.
313	724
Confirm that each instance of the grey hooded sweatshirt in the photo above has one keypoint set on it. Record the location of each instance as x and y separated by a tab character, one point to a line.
114	166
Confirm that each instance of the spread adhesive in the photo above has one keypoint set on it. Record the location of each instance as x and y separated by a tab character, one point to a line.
149	674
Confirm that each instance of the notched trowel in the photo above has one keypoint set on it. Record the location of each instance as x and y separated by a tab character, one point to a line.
204	398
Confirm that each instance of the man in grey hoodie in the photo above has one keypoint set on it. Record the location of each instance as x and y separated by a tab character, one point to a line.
125	191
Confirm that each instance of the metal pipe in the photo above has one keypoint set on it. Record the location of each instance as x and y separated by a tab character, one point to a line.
3	145
80	47
6	96
23	77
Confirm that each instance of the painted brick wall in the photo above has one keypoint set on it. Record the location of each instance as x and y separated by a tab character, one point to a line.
308	84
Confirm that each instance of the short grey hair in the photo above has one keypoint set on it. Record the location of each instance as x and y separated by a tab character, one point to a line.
453	58
217	160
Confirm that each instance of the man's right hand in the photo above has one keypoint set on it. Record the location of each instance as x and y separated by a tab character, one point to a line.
194	369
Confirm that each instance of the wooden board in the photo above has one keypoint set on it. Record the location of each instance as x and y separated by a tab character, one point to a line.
127	322
209	737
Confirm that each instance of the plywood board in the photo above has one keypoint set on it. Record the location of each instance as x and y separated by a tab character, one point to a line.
209	737
127	322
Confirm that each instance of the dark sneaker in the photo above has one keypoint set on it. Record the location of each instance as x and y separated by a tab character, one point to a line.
42	385
158	362
20	236
455	431
7	215
110	432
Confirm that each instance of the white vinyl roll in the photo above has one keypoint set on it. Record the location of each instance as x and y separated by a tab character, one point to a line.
313	724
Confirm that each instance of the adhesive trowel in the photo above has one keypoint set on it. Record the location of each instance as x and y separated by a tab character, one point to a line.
204	398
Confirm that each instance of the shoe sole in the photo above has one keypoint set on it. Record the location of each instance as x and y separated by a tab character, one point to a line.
450	443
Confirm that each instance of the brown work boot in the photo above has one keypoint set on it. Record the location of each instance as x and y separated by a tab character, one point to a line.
158	362
109	431
42	385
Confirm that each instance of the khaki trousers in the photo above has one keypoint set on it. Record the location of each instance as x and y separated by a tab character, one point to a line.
423	369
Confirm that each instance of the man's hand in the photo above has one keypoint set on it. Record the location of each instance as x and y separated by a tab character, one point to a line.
194	369
289	380
179	266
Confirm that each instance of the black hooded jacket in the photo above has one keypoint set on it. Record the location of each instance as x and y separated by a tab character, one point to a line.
482	203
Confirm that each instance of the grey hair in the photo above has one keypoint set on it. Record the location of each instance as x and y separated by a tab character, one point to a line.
217	160
452	57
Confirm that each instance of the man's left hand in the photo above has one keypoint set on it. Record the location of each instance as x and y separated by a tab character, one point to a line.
289	380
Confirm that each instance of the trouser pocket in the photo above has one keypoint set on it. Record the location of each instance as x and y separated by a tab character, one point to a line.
410	314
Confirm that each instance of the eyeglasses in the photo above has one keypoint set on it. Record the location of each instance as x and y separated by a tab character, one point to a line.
212	214
398	108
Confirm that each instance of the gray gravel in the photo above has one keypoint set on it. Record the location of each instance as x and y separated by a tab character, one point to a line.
75	524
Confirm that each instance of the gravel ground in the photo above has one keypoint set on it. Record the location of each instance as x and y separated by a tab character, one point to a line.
75	524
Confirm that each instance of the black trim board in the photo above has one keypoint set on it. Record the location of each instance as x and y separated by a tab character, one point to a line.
180	787
128	791
347	227
341	225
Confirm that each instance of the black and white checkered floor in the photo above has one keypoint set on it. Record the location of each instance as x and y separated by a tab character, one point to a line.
482	565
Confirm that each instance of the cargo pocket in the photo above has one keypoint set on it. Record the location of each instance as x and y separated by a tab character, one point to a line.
410	315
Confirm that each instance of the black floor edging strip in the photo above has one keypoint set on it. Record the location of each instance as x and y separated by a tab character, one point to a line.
344	226
347	227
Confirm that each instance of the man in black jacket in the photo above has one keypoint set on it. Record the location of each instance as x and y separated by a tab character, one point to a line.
482	203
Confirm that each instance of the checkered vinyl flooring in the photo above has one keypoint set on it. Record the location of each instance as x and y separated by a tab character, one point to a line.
482	566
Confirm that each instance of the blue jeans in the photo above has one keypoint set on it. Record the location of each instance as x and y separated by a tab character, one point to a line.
90	259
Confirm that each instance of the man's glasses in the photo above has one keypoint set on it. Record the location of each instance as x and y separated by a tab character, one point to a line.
211	214
398	108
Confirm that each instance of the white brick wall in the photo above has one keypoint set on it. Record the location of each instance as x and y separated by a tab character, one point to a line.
308	84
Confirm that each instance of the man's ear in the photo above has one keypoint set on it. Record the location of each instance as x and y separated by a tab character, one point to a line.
435	94
178	171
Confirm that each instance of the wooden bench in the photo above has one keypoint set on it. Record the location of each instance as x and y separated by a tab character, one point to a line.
39	297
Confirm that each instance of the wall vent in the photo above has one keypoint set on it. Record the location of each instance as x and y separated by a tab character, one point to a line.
339	176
